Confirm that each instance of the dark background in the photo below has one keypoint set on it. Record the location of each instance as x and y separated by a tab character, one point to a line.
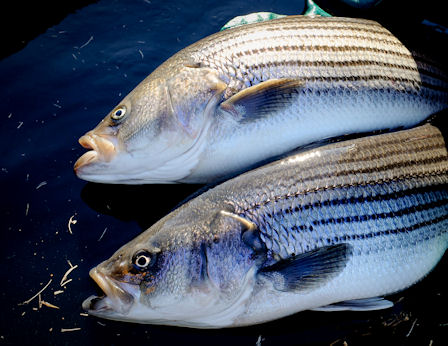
63	68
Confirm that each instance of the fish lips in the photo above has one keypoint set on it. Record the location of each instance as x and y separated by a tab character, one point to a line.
103	149
116	300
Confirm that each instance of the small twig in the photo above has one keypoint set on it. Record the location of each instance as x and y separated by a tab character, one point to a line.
37	294
58	292
88	41
63	330
66	282
71	222
43	183
412	327
43	302
102	234
27	209
64	278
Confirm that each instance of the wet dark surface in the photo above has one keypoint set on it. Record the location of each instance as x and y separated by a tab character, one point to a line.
58	87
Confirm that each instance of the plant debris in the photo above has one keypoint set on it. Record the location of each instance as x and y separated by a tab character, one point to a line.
43	183
37	294
71	221
102	234
43	302
64	280
63	330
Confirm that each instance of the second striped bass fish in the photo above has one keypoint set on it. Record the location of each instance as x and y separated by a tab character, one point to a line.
250	93
334	228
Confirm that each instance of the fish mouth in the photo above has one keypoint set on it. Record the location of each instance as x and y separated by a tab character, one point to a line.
103	149
115	300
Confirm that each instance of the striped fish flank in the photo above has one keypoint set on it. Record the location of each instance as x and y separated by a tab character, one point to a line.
320	50
332	228
385	195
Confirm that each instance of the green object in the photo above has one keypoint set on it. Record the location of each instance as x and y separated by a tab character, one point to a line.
313	10
251	18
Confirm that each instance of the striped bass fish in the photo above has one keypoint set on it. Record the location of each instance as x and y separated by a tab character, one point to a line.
333	228
247	94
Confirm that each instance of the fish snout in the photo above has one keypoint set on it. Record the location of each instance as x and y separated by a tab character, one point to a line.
102	148
115	294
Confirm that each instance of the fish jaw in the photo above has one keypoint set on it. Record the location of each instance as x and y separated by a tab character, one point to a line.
117	300
102	148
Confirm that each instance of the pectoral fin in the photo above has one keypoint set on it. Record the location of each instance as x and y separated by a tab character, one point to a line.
308	270
367	304
263	99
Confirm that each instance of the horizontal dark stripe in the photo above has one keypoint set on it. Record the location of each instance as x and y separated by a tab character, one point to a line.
335	64
429	73
403	177
423	60
317	23
279	44
369	78
388	167
385	215
323	48
337	29
393	231
359	200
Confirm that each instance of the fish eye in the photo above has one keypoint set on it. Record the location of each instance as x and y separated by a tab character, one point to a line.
143	259
118	113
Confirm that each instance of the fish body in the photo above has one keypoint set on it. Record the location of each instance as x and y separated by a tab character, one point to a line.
247	94
333	228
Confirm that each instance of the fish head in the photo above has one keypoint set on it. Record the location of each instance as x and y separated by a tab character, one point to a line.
171	275
157	133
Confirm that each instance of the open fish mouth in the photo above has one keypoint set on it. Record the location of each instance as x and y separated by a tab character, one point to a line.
103	149
115	300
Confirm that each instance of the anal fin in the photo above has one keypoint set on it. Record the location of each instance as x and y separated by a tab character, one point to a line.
366	304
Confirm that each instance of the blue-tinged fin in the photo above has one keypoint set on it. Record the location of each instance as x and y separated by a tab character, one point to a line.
309	270
366	304
263	99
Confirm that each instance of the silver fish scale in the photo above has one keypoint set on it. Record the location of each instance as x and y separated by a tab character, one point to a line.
362	216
